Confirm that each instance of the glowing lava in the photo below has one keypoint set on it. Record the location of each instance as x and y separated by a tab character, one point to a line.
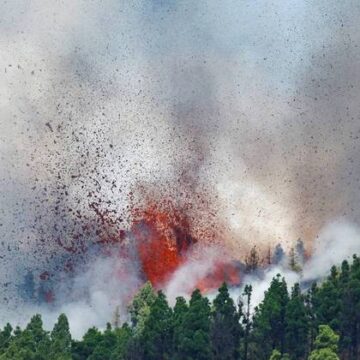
163	238
228	272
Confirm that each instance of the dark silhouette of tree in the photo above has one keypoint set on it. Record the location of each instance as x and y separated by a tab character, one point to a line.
297	324
81	350
327	301
157	335
194	342
123	335
278	255
225	327
252	261
105	346
294	264
5	338
245	307
180	310
270	319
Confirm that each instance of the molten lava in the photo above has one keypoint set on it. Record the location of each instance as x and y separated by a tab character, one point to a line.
222	272
163	238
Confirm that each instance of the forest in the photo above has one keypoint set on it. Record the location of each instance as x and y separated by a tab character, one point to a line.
320	322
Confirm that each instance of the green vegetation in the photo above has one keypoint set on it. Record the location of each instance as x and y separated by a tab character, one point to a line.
322	323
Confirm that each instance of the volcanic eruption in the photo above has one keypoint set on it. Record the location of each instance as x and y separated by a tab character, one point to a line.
163	141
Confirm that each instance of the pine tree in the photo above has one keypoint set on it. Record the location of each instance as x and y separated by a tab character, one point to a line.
268	258
276	355
327	301
135	349
180	310
194	343
140	307
39	337
158	331
269	319
293	261
116	319
32	343
347	309
326	345
297	325
123	336
246	318
300	252
105	345
278	255
60	348
225	327
349	319
252	261
139	311
81	350
5	338
311	305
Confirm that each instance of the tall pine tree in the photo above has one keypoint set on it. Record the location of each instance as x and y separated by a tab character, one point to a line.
326	345
245	313
225	327
297	324
60	348
194	342
157	335
269	320
180	310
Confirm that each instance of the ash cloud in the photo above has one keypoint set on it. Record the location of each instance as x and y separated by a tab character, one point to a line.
253	103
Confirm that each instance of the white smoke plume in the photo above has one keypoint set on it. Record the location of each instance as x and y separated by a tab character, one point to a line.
186	277
91	299
337	241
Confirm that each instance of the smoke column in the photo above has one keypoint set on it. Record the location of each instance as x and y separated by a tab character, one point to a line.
241	116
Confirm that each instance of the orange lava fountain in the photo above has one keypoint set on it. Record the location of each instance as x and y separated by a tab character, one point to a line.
163	238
